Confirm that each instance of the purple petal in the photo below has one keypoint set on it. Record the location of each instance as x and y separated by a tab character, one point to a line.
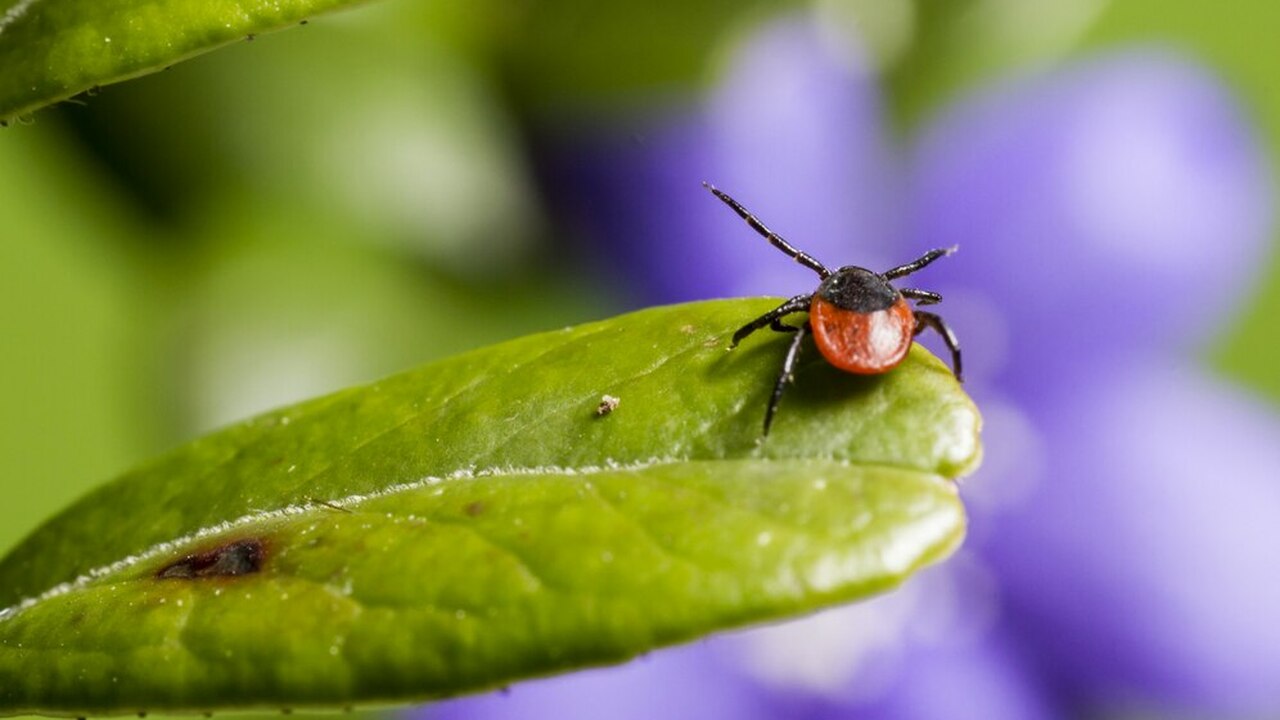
673	684
1144	567
988	681
931	649
1119	204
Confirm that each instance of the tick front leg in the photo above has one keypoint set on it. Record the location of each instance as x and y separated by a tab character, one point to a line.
786	376
922	297
779	326
920	262
799	303
930	320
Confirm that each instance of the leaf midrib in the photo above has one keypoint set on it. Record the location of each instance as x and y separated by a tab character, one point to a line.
351	503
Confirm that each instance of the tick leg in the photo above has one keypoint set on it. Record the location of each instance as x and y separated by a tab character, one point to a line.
918	263
779	326
922	297
930	320
774	238
799	303
786	376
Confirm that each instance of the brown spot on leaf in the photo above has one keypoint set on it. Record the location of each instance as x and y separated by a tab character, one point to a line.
473	508
240	557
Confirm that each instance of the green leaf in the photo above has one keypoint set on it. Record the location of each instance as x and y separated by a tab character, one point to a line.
53	49
67	292
596	57
477	521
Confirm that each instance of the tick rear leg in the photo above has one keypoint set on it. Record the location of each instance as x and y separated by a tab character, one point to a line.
787	374
799	303
927	319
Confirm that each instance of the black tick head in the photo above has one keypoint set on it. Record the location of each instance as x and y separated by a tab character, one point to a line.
858	289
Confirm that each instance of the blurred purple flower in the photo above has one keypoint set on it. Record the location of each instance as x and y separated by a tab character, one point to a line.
824	177
1142	569
674	684
1117	205
1110	215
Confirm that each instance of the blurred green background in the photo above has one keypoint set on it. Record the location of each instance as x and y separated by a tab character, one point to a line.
329	204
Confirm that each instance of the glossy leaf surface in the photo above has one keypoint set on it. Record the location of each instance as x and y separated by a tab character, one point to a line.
53	49
478	520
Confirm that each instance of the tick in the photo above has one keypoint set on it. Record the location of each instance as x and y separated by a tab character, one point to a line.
859	321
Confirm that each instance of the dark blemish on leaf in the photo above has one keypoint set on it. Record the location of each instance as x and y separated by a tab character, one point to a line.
304	22
240	557
608	404
473	509
250	37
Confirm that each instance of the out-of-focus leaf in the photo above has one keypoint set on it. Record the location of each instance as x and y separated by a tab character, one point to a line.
566	53
53	49
481	519
72	319
419	154
955	45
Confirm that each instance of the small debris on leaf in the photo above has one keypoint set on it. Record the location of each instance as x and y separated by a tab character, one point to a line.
608	404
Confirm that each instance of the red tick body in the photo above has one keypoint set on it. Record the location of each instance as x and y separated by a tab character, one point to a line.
863	343
859	321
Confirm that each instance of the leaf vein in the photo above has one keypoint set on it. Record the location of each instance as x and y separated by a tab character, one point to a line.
644	530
